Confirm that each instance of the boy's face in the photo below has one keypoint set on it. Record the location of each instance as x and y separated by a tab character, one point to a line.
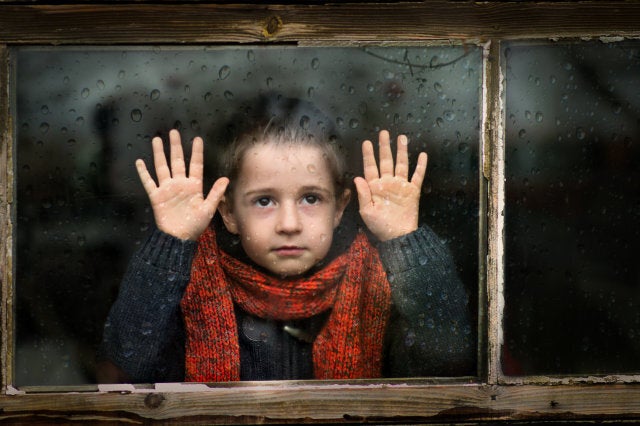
284	207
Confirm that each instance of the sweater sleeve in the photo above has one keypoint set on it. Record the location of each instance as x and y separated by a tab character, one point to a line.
429	333
144	333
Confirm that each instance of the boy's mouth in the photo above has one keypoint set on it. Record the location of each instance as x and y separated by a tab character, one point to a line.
287	251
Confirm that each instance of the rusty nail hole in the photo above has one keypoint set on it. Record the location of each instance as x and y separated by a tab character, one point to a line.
153	400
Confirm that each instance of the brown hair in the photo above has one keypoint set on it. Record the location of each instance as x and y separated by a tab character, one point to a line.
278	120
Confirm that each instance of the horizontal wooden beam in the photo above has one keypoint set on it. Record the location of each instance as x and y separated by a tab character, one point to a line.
294	403
259	23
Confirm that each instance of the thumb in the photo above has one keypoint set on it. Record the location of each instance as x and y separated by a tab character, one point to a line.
364	192
216	193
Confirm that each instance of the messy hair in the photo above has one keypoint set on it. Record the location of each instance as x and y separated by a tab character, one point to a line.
286	121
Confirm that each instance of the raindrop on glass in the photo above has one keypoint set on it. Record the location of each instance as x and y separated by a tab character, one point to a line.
315	63
136	115
449	115
155	95
304	122
224	72
85	93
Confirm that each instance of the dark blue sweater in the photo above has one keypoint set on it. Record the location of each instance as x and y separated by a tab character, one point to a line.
429	333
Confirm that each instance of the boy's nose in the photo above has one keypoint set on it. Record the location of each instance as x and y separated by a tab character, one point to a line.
288	219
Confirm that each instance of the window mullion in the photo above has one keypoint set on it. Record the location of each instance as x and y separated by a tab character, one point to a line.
493	171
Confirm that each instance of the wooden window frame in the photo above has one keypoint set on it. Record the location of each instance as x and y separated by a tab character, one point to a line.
491	396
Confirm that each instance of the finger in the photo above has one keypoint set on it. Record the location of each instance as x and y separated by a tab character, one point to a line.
364	193
402	158
215	194
384	151
421	170
177	155
160	160
370	167
196	165
147	181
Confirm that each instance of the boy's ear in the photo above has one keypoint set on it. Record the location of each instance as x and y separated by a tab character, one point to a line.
227	216
341	204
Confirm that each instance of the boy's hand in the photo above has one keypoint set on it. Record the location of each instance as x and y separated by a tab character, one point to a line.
389	202
178	204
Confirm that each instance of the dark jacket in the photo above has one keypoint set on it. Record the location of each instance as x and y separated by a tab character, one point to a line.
429	332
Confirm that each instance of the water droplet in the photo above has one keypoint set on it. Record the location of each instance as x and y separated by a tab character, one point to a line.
228	95
315	63
136	115
449	115
437	87
269	81
304	122
122	74
80	121
522	133
354	123
251	56
195	125
224	72
44	127
81	240
439	122
580	133
154	95
44	109
617	108
527	115
85	93
208	96
539	117
100	84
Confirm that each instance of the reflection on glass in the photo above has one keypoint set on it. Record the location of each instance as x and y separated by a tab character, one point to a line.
83	117
573	209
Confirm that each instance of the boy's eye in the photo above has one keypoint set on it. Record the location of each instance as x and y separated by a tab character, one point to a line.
311	199
263	201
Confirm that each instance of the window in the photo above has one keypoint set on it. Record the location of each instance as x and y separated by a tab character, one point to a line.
531	55
84	115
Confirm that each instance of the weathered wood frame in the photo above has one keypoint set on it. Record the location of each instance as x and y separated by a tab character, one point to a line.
491	395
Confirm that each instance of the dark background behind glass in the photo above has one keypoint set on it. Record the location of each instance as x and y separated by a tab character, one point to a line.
84	116
573	209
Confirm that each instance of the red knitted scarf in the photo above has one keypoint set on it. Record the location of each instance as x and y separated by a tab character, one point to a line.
349	346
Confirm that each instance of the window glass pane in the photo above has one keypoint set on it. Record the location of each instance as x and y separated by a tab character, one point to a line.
573	209
84	116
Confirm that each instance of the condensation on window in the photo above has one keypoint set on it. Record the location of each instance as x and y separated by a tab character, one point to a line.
573	209
84	116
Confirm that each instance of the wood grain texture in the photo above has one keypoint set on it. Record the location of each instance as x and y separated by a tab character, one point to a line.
331	403
259	23
6	225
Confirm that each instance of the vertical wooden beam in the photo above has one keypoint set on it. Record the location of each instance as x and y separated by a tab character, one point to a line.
6	226
493	170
